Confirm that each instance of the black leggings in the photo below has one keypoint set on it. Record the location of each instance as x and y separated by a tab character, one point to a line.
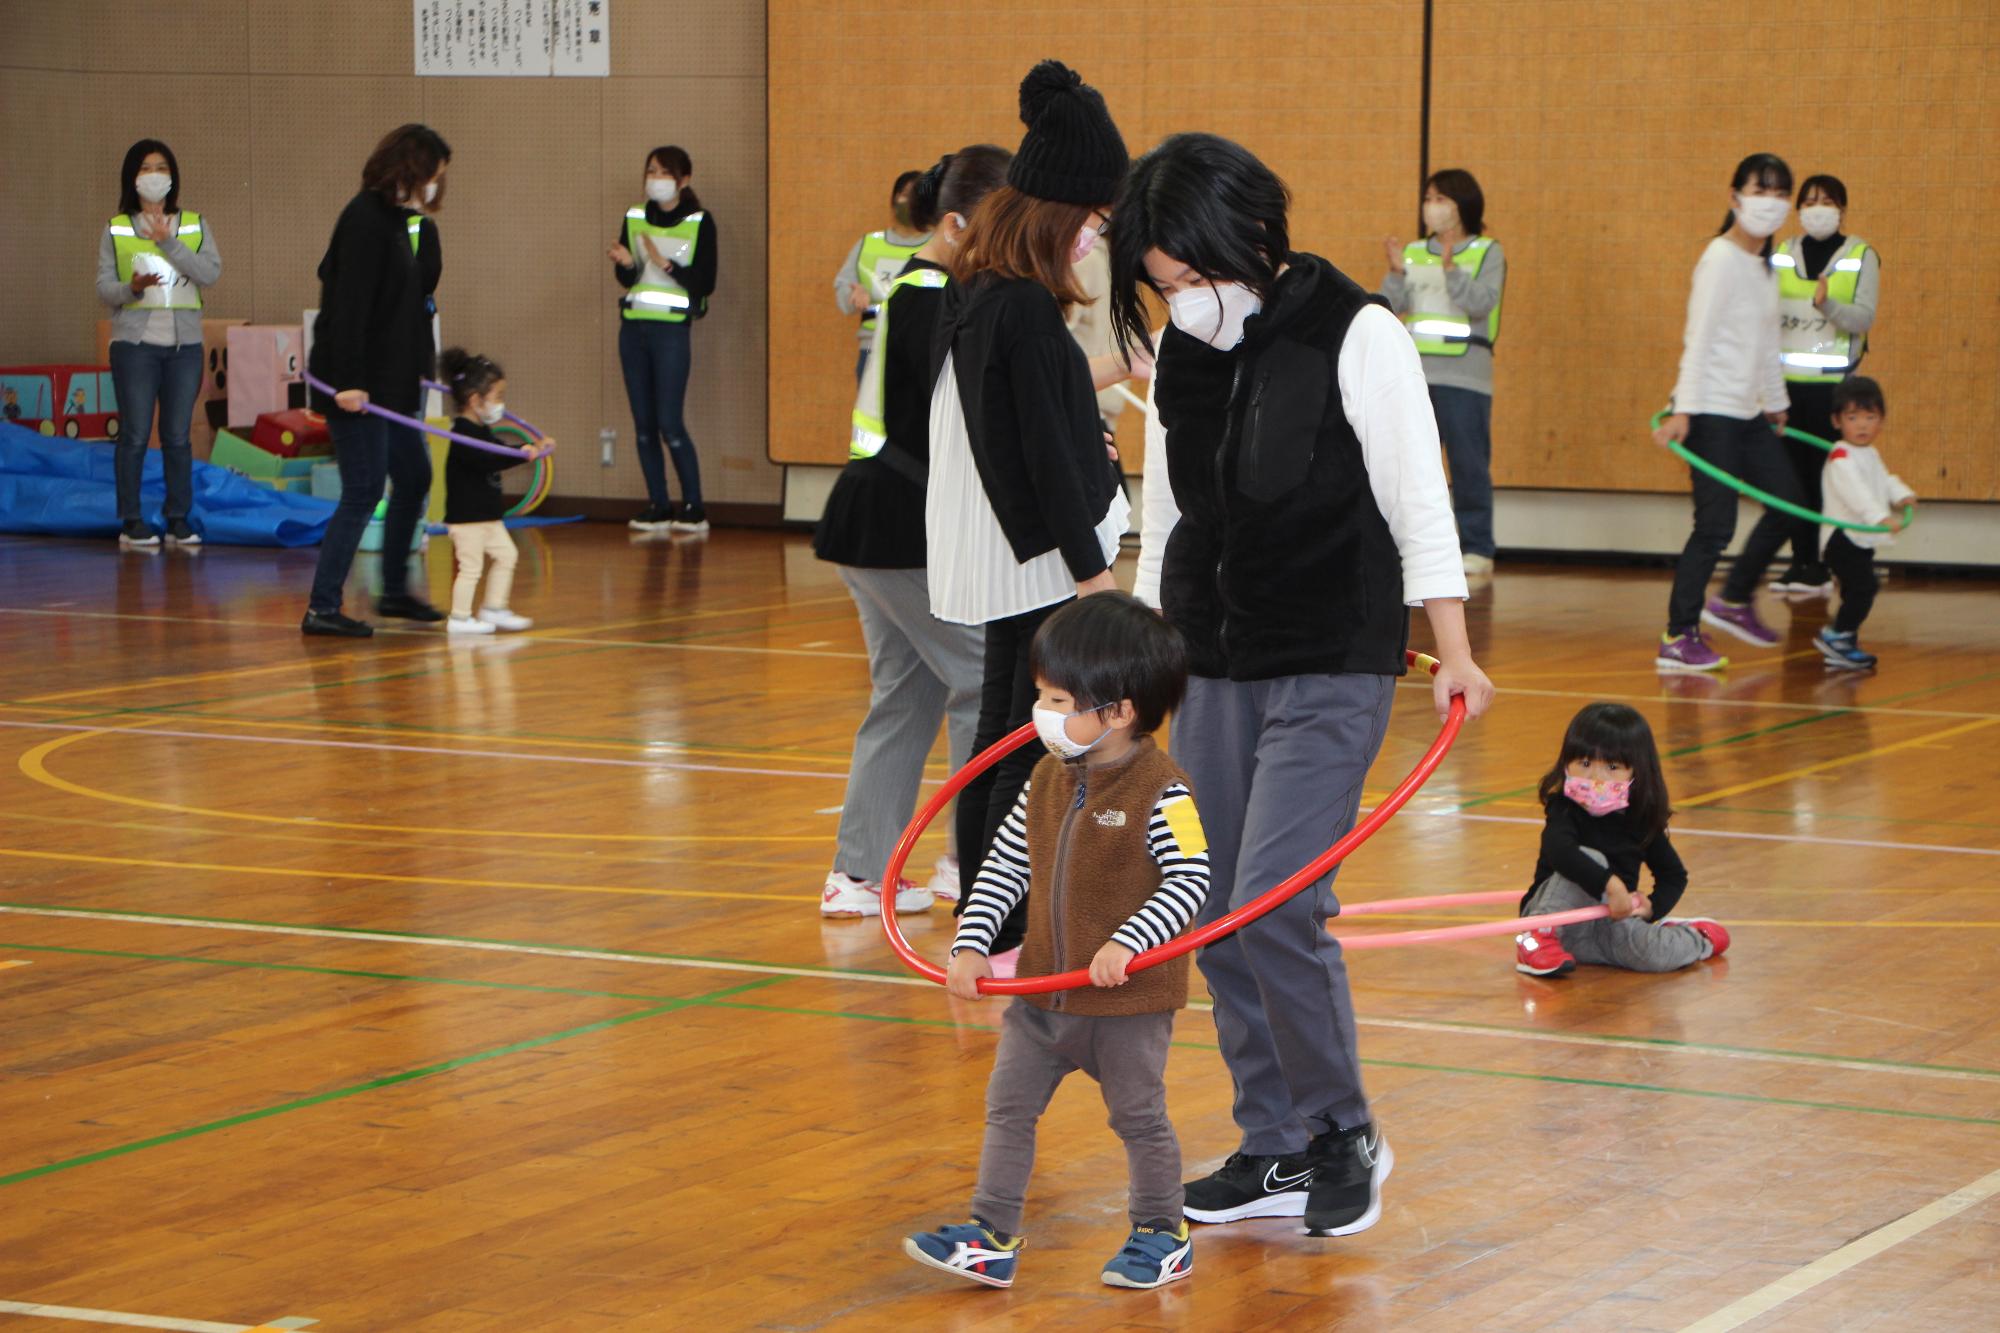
1812	412
1748	449
1854	567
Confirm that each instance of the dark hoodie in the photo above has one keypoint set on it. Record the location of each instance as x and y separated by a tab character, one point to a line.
1281	564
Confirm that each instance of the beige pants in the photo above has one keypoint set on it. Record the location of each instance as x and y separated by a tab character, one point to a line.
476	544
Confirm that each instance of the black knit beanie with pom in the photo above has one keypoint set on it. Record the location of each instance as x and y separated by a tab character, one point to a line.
1072	152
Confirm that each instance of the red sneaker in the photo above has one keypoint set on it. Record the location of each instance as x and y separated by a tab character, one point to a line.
1708	928
1539	953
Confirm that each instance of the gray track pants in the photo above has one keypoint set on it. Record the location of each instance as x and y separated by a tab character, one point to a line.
1635	945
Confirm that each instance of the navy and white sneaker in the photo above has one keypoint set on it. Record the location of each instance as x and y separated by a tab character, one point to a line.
1842	651
1250	1185
967	1250
1155	1254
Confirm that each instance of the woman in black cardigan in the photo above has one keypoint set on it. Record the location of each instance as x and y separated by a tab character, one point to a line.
372	343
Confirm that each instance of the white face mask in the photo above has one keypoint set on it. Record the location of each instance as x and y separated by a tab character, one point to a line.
1214	314
153	186
430	192
1820	221
493	413
1761	214
1053	728
663	190
1086	241
1440	216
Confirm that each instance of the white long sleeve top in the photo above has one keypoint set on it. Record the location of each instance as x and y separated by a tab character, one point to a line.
1729	352
1857	486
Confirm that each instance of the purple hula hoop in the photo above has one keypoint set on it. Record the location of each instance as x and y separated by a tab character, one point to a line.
428	429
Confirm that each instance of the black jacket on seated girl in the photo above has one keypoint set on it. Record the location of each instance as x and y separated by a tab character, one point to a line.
1314	584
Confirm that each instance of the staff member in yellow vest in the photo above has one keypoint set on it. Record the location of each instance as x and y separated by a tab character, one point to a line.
664	257
1447	288
1828	283
153	260
862	282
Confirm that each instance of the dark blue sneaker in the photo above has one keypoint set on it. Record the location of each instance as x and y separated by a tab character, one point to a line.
1154	1255
967	1250
1842	651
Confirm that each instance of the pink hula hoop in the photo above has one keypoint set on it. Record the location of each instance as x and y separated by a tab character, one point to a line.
1471	930
427	428
1194	939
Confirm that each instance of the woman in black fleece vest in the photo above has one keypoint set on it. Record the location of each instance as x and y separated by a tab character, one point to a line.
1304	457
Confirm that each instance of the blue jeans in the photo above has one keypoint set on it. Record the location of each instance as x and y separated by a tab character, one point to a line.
368	450
656	357
1465	421
861	367
144	374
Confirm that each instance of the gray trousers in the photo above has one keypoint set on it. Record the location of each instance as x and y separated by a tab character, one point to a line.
923	672
1127	1055
1277	766
1635	945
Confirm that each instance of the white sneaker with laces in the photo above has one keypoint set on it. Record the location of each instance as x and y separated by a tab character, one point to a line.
466	625
847	896
944	880
499	617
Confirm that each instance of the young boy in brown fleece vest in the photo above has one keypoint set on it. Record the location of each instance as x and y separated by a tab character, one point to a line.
1106	845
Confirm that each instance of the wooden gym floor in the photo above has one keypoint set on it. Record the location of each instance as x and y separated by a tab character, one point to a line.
420	985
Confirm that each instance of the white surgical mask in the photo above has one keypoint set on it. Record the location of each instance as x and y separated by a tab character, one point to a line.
1761	214
1439	216
430	192
1053	728
1214	314
1820	221
663	190
493	413
153	186
1086	241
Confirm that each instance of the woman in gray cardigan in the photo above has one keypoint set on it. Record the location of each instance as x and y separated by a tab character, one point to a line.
152	262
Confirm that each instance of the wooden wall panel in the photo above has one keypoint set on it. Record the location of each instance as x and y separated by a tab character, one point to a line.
273	108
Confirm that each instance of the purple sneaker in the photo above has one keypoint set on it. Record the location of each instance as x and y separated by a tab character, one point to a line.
1741	621
1688	652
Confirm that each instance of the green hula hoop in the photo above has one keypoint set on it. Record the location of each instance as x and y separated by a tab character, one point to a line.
532	496
1768	500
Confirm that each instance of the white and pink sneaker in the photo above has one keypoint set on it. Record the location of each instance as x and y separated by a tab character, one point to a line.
944	880
846	896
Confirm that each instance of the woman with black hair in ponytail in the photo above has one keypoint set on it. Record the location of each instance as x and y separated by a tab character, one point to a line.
924	671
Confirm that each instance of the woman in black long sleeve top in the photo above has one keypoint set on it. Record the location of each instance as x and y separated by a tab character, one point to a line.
372	343
664	257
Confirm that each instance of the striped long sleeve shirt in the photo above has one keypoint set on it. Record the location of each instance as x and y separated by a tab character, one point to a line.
1003	881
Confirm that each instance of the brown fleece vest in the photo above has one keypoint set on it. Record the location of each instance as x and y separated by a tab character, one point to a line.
1091	869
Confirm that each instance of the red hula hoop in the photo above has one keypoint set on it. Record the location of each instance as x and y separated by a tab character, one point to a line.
1194	939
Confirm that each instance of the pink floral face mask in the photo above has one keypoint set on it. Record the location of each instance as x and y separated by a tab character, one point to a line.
1599	798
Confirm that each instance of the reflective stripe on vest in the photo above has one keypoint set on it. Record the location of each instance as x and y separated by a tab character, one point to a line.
656	295
870	431
1812	347
1437	325
136	254
876	267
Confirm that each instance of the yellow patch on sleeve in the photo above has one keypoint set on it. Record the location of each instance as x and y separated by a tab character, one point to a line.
1185	821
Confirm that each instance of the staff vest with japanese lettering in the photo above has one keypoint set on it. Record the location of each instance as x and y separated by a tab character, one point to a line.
1438	326
656	295
136	254
1813	349
876	267
871	431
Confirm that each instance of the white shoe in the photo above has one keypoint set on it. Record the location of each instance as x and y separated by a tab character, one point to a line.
499	617
466	625
1478	564
944	880
845	895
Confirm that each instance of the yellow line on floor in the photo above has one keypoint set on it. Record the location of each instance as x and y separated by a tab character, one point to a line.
1503	678
688	615
1823	765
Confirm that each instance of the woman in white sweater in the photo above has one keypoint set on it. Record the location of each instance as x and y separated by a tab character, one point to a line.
1727	405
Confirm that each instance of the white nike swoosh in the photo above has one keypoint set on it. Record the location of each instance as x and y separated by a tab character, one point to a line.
1273	1182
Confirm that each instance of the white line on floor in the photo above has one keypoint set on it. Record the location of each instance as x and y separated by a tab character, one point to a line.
1827	1267
1682	832
81	1315
887	979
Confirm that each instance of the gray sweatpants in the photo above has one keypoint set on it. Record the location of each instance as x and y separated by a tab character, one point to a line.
1635	945
923	672
1127	1055
1278	767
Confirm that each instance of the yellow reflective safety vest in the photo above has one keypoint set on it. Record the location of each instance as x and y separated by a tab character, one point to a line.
1438	326
136	254
870	431
1812	347
876	267
656	295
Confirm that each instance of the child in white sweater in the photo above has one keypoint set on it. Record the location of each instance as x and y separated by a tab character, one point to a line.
1858	488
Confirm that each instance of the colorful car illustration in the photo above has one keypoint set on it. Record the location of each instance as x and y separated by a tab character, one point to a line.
74	401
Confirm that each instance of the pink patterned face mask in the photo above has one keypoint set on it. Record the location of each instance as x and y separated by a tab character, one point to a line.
1600	798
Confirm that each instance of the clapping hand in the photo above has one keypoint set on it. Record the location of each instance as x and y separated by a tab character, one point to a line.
1392	246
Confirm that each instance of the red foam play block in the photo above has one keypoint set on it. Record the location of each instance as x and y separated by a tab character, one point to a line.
294	433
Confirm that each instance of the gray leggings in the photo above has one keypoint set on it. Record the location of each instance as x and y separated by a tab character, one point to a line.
1635	945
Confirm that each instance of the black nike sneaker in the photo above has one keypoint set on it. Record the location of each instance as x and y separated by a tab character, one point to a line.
1248	1185
1348	1168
